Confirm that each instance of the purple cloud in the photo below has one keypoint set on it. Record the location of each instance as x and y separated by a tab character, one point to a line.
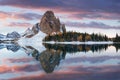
91	25
109	7
25	16
97	15
20	24
29	16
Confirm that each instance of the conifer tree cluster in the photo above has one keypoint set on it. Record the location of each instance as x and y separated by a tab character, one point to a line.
75	36
117	38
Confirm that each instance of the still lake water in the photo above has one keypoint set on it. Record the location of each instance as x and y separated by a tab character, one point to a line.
59	62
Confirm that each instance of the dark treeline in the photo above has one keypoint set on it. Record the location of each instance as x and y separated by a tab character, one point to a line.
117	38
75	36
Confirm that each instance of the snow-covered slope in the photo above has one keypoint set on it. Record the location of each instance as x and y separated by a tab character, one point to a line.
2	36
35	40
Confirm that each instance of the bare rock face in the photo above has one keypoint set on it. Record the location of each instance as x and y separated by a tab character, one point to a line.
63	28
35	28
31	32
49	23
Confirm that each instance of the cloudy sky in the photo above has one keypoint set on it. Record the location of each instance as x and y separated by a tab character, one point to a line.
99	16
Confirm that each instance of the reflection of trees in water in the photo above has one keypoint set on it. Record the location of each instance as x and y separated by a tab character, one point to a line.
70	48
117	46
76	48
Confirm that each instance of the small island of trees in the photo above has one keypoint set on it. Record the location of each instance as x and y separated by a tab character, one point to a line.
75	36
82	37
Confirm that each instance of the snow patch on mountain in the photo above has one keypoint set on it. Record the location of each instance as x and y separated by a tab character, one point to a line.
35	40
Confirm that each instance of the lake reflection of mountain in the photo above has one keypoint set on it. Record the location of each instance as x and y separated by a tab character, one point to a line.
51	57
54	53
62	62
10	46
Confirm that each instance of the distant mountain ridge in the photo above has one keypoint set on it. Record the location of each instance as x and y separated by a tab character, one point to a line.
13	35
10	36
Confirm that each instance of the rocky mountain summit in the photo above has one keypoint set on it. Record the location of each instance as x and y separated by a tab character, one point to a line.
49	24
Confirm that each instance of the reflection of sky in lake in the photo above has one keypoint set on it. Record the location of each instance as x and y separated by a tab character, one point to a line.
100	65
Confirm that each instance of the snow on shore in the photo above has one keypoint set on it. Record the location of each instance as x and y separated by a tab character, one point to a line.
89	42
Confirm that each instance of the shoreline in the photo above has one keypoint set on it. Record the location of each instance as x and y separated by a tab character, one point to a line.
73	42
76	42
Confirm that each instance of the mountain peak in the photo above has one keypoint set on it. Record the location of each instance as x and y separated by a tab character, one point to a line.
49	23
49	14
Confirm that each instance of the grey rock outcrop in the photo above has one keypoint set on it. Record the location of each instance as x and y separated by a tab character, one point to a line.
63	28
49	23
35	28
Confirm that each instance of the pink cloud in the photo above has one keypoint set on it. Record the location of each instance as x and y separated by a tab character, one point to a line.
20	24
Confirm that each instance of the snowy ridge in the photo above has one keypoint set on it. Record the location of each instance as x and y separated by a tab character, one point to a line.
28	32
10	36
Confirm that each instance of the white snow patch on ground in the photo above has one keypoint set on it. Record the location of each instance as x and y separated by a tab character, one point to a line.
76	42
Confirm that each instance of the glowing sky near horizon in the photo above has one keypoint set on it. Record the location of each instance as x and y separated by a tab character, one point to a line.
99	16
